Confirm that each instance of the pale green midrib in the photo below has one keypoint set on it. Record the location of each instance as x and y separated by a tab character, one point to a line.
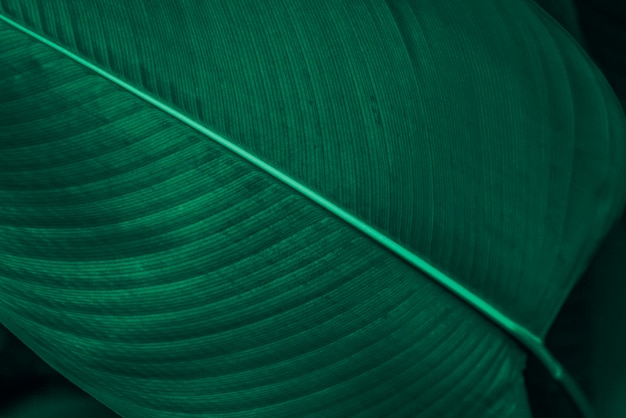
526	338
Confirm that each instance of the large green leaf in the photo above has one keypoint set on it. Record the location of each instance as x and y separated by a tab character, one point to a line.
372	208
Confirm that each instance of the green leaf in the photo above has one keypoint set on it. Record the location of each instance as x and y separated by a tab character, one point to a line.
315	209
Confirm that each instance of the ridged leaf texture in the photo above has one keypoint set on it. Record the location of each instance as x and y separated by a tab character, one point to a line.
305	208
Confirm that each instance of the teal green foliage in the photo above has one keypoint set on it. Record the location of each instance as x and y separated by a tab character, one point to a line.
372	208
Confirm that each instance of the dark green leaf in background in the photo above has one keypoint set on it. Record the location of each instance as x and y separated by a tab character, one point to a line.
156	249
